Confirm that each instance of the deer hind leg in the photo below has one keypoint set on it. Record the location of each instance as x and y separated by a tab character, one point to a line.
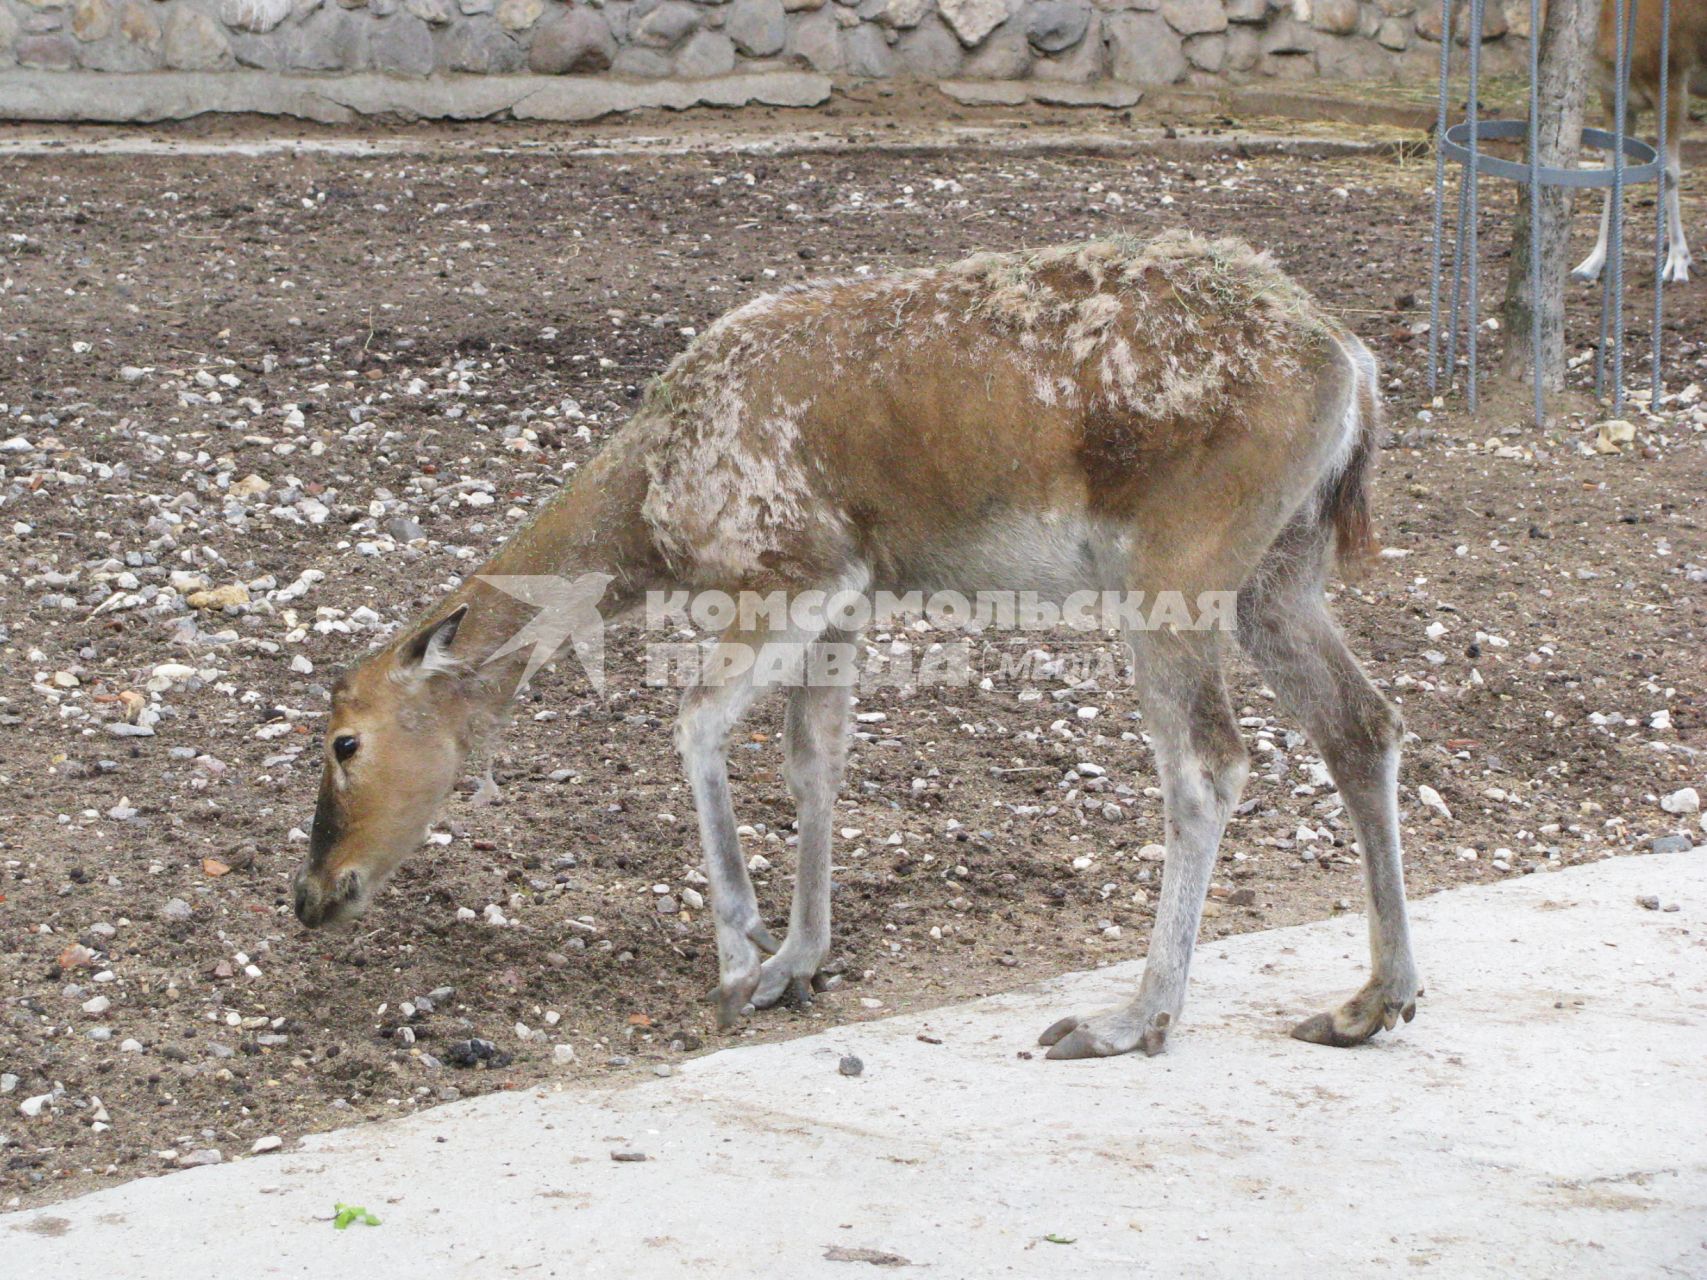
739	667
815	746
1678	258
1203	766
1285	626
1588	270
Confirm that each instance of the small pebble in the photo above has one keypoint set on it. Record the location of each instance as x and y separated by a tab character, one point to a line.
850	1065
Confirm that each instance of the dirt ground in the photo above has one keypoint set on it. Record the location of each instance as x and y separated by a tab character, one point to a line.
341	380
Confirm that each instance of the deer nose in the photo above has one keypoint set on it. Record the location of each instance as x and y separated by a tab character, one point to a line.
310	903
316	903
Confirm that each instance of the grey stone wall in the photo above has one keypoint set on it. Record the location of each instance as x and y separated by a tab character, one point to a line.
1145	42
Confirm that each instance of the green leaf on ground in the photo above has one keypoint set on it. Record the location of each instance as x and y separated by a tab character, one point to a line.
348	1213
1055	1239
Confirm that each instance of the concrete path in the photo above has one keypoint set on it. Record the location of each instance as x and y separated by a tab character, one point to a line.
1545	1115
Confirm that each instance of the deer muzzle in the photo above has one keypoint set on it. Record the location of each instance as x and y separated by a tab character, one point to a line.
321	900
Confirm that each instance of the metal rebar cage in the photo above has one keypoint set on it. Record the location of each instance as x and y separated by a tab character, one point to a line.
1631	161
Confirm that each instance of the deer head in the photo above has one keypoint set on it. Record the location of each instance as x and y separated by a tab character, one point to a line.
402	723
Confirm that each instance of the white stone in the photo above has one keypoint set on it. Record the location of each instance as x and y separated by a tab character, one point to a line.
1430	799
1688	800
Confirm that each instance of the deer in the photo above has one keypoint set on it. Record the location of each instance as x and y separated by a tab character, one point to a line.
1686	54
1171	414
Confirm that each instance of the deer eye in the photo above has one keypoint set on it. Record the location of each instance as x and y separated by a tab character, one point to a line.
344	746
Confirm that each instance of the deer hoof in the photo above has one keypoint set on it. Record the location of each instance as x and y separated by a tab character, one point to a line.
1369	1011
786	978
1107	1035
734	998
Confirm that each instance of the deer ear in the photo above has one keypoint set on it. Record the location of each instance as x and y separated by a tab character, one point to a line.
429	650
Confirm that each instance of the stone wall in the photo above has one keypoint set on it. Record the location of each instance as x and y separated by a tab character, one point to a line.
1065	42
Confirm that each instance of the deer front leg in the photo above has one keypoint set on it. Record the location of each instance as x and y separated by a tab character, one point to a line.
1203	766
739	667
815	744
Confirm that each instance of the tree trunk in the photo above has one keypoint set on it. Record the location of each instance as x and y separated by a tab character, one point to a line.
1567	47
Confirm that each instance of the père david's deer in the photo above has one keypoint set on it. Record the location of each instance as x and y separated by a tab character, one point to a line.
1686	53
1175	415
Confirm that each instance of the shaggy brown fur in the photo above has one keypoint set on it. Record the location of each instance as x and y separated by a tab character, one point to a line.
1170	416
869	418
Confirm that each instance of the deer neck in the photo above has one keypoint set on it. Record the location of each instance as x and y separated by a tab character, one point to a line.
589	546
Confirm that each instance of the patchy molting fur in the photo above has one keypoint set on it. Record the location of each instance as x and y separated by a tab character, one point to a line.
1172	415
1143	343
728	482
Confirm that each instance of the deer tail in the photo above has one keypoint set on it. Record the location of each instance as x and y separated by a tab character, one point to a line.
1346	493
